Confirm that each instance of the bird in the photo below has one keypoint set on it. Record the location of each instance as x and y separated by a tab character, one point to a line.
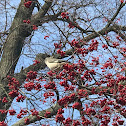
55	64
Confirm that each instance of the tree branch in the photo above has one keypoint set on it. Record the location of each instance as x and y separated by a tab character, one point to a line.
32	119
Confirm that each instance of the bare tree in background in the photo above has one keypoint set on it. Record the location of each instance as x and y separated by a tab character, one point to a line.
91	34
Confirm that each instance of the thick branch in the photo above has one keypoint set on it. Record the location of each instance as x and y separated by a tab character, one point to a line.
14	43
12	48
55	108
32	119
36	19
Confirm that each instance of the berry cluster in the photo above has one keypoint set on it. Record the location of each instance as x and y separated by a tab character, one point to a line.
65	15
67	99
75	43
27	21
48	94
85	122
77	105
50	85
36	62
3	123
31	75
67	122
62	53
93	45
14	85
105	46
26	121
12	112
22	112
47	114
35	113
20	98
28	4
71	25
57	45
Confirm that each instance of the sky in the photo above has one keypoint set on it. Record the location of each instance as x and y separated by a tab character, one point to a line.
36	46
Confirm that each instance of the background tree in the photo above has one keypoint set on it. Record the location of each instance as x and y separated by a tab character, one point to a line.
88	33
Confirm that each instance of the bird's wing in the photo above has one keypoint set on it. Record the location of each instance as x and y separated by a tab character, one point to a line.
54	60
60	61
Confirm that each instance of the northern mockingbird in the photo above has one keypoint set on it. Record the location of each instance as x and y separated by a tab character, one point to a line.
57	64
54	64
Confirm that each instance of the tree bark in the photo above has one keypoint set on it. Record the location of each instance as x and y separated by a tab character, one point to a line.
13	46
